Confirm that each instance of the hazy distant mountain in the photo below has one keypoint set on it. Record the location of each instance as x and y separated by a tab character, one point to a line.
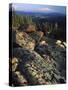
39	13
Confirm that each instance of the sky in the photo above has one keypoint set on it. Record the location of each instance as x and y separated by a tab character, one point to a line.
38	8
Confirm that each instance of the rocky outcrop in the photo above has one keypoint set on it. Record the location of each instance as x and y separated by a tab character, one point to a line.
37	60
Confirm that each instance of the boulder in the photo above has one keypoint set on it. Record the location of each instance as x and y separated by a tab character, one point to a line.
23	40
13	63
31	28
27	28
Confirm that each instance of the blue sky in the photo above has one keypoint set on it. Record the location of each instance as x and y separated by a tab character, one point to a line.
38	8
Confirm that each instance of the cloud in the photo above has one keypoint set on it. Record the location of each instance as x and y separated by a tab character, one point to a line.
44	9
25	7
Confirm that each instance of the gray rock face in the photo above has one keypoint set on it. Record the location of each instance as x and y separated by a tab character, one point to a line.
36	69
32	65
36	35
54	55
59	55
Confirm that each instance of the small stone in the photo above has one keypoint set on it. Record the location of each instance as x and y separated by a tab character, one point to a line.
65	44
33	73
14	67
43	43
37	76
47	76
41	81
20	78
17	73
58	42
14	60
27	65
